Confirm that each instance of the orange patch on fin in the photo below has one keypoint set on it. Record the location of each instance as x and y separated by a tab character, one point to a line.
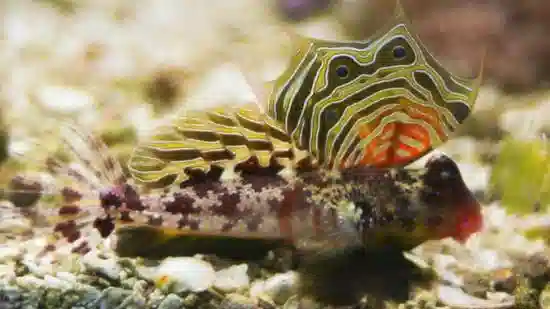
398	152
390	148
416	132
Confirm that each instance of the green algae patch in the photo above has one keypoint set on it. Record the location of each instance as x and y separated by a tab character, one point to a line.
520	176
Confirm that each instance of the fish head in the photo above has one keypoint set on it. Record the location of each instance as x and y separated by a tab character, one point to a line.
453	209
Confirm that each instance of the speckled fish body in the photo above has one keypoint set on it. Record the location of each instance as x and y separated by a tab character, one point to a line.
312	205
372	207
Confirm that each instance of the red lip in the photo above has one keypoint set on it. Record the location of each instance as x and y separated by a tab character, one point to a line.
469	220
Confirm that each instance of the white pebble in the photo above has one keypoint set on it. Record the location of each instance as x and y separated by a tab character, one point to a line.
257	289
495	216
9	253
232	278
7	272
500	297
279	287
456	298
172	301
64	99
442	264
38	268
488	259
184	274
66	276
443	261
109	268
56	283
29	282
15	224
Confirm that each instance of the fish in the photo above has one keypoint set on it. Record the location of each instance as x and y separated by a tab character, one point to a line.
316	210
324	165
374	207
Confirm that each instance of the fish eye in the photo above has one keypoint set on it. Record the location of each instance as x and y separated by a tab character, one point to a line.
445	175
399	52
342	71
449	173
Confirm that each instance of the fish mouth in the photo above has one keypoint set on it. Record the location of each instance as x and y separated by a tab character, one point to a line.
469	220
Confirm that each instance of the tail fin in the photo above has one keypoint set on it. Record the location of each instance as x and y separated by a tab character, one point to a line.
80	166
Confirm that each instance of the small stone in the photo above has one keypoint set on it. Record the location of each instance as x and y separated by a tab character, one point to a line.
488	259
526	297
476	284
155	298
71	264
15	225
123	275
499	297
279	287
443	261
172	301
113	297
7	271
257	289
37	267
79	298
13	221
505	280
495	216
128	283
24	192
544	298
191	300
533	266
232	278
238	301
29	282
66	276
108	268
8	253
296	302
455	297
10	295
64	99
56	283
182	274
